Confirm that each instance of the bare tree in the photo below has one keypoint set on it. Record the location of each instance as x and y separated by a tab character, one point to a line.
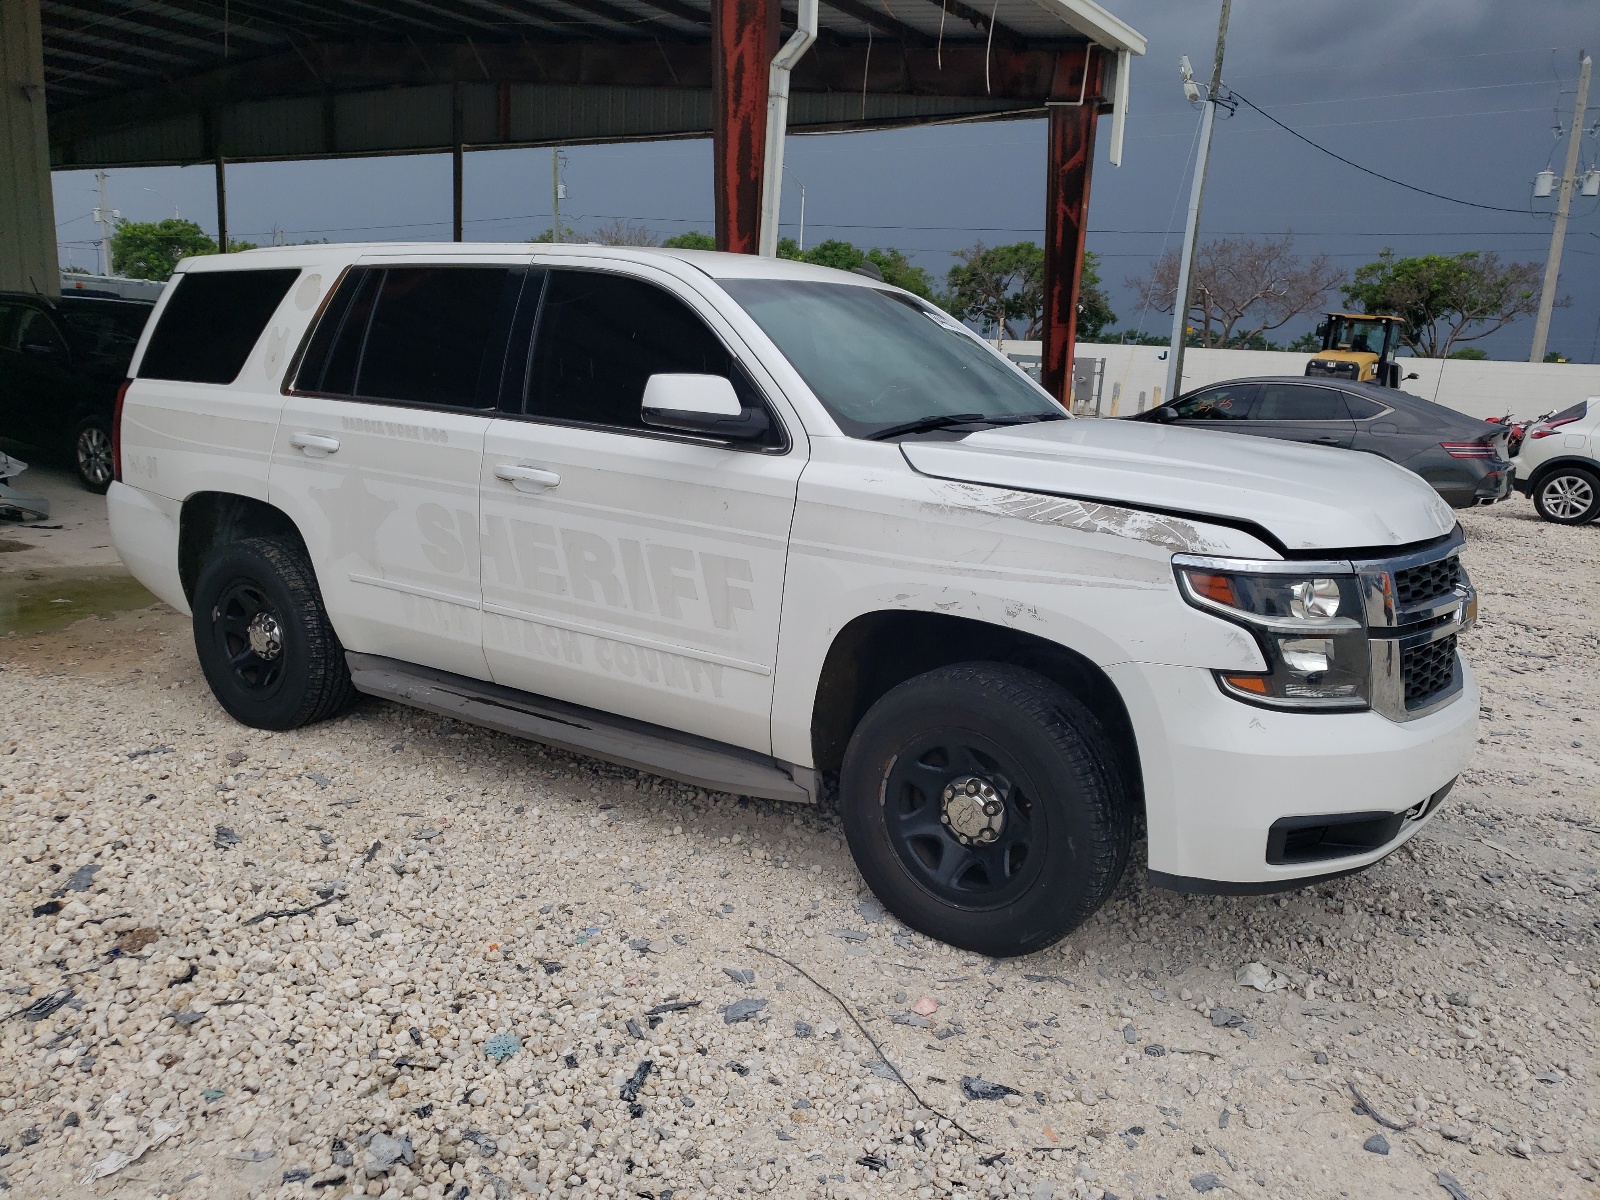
618	232
1243	288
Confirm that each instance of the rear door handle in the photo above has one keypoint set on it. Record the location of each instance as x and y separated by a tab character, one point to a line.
314	444
518	476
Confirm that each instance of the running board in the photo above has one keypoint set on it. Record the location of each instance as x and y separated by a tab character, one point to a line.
644	747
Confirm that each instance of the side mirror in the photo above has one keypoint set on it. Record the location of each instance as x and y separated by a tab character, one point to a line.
1413	375
703	404
1164	415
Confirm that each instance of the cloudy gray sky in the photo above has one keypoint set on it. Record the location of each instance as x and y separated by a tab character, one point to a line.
1456	96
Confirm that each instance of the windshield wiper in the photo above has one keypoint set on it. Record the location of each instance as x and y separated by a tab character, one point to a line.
924	424
946	420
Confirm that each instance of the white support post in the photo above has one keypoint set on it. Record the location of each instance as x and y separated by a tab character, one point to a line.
777	124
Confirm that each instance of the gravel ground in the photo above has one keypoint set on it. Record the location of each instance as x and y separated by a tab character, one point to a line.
244	964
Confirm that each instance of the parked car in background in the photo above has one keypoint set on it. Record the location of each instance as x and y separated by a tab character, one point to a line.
1559	466
61	363
1463	458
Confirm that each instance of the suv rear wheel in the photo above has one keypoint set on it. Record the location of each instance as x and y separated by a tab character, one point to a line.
983	806
1568	495
91	455
263	637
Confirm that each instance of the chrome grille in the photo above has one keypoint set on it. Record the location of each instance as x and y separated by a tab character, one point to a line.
1428	670
1413	585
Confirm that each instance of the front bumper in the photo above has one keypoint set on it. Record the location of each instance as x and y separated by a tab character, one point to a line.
1219	774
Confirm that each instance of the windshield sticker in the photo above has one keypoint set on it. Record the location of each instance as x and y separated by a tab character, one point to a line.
1086	516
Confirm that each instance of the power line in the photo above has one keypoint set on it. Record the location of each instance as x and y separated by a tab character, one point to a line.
1521	212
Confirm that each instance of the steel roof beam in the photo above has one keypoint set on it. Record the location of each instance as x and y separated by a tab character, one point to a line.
147	20
684	12
117	47
620	16
1003	34
880	21
517	11
571	24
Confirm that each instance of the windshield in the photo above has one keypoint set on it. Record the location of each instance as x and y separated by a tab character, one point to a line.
877	359
1364	337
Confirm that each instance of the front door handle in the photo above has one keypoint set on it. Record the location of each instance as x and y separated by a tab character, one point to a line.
518	476
314	444
1326	441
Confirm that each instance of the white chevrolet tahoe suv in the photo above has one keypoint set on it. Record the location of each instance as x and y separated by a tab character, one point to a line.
787	532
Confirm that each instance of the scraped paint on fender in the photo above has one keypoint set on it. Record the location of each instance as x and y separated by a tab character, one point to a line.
1087	516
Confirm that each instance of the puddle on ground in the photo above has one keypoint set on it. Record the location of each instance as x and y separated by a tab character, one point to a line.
51	600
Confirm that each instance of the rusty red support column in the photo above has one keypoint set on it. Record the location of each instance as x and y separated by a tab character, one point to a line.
744	37
1074	109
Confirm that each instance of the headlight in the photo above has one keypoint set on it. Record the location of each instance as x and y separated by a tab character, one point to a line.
1306	626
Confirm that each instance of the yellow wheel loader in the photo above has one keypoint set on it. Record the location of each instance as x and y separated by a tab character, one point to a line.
1358	347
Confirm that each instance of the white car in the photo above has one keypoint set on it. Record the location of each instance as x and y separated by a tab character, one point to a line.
1559	464
783	531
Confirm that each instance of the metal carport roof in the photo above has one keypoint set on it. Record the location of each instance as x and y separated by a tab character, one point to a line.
148	82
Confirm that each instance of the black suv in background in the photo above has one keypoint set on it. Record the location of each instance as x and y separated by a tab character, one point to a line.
1462	457
62	360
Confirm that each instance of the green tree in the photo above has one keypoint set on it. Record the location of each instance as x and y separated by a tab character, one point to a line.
693	240
999	288
1441	296
1094	306
898	271
1470	353
1555	356
568	234
151	249
1306	343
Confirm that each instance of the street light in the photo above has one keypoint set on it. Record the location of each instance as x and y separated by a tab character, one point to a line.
175	214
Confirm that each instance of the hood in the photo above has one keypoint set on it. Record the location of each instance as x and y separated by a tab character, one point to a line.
1308	497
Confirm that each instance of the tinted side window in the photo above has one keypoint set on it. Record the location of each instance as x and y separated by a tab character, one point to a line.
1362	407
108	332
1295	402
334	352
8	325
36	332
1228	402
212	321
437	335
600	337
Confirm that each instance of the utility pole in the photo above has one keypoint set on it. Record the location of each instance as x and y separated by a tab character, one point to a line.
106	217
1191	230
555	194
1558	235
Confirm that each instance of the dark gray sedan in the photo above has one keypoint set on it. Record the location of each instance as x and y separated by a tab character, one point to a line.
1462	457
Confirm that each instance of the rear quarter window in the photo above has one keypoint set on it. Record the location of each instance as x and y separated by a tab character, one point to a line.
212	321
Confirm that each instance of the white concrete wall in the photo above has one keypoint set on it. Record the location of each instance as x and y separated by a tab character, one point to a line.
1479	389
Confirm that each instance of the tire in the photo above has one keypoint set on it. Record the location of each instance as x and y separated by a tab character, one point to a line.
1023	771
263	637
91	455
1568	495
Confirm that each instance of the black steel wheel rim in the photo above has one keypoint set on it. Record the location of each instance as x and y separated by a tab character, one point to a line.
249	632
94	455
933	811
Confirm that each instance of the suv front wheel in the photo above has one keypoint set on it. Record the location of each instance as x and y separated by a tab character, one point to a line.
263	637
983	806
1568	495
